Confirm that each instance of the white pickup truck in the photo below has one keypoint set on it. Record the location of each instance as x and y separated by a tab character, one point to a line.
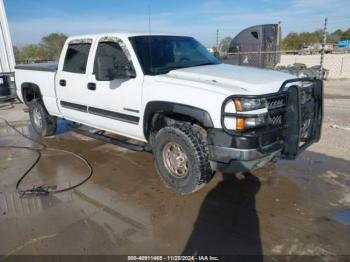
193	113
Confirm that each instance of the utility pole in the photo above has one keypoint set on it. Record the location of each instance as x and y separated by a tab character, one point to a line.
323	47
217	39
277	56
279	34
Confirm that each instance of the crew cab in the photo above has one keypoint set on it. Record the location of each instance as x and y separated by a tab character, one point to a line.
195	114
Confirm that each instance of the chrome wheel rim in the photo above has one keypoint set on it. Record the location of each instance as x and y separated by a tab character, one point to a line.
175	160
37	118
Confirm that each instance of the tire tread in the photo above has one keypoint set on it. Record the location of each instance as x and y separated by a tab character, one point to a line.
50	122
200	152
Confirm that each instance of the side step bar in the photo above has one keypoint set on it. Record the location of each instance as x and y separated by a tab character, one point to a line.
99	135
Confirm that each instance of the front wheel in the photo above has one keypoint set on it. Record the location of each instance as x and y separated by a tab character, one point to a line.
182	158
42	122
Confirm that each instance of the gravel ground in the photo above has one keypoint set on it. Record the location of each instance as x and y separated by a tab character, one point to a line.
336	126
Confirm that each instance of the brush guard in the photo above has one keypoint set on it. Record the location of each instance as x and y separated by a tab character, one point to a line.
304	115
295	114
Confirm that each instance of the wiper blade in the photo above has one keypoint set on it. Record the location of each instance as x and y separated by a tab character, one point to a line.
209	63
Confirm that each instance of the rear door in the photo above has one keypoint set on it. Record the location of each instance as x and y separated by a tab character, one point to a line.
72	79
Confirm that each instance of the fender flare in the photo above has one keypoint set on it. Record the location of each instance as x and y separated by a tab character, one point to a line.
163	107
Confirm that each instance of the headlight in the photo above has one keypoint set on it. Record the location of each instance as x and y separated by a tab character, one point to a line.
244	123
249	104
242	113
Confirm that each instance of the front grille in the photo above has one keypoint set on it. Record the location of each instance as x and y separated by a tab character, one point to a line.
276	120
276	109
276	102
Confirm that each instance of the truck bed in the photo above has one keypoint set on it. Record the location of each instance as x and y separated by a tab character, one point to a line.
42	75
48	67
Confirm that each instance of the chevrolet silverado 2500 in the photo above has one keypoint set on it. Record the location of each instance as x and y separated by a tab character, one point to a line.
195	114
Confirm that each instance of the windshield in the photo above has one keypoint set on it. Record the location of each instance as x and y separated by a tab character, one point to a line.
161	54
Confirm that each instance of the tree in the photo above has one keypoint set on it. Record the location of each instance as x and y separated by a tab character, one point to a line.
292	42
335	36
49	49
225	44
296	41
52	45
345	35
17	53
33	52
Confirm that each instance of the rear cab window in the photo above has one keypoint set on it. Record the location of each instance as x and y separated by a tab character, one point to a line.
77	55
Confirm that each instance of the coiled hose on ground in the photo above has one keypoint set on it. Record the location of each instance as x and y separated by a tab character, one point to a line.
42	190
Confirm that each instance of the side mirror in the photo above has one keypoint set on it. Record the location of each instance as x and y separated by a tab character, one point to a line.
130	71
124	71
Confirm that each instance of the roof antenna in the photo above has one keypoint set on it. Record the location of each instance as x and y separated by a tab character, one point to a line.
149	20
150	33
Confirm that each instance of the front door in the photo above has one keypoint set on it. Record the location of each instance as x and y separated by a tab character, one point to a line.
116	101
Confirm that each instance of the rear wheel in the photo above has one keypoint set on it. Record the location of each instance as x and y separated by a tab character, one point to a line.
42	122
181	158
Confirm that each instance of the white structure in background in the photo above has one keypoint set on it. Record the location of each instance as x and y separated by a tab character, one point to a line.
7	58
211	50
337	64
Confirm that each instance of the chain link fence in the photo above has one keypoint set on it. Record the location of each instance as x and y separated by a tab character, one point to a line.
296	62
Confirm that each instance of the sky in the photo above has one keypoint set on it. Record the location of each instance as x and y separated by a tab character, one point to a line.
29	20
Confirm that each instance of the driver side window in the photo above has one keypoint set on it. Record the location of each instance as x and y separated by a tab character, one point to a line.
111	62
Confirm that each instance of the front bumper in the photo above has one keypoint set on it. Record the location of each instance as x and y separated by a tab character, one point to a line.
301	126
235	165
247	154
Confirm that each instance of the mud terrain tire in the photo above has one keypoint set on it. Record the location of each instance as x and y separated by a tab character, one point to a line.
182	143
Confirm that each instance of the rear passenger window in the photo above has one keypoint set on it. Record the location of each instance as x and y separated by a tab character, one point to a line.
76	58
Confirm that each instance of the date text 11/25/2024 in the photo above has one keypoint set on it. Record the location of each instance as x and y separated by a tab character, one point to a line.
173	258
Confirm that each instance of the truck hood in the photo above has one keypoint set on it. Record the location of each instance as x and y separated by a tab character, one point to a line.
231	79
